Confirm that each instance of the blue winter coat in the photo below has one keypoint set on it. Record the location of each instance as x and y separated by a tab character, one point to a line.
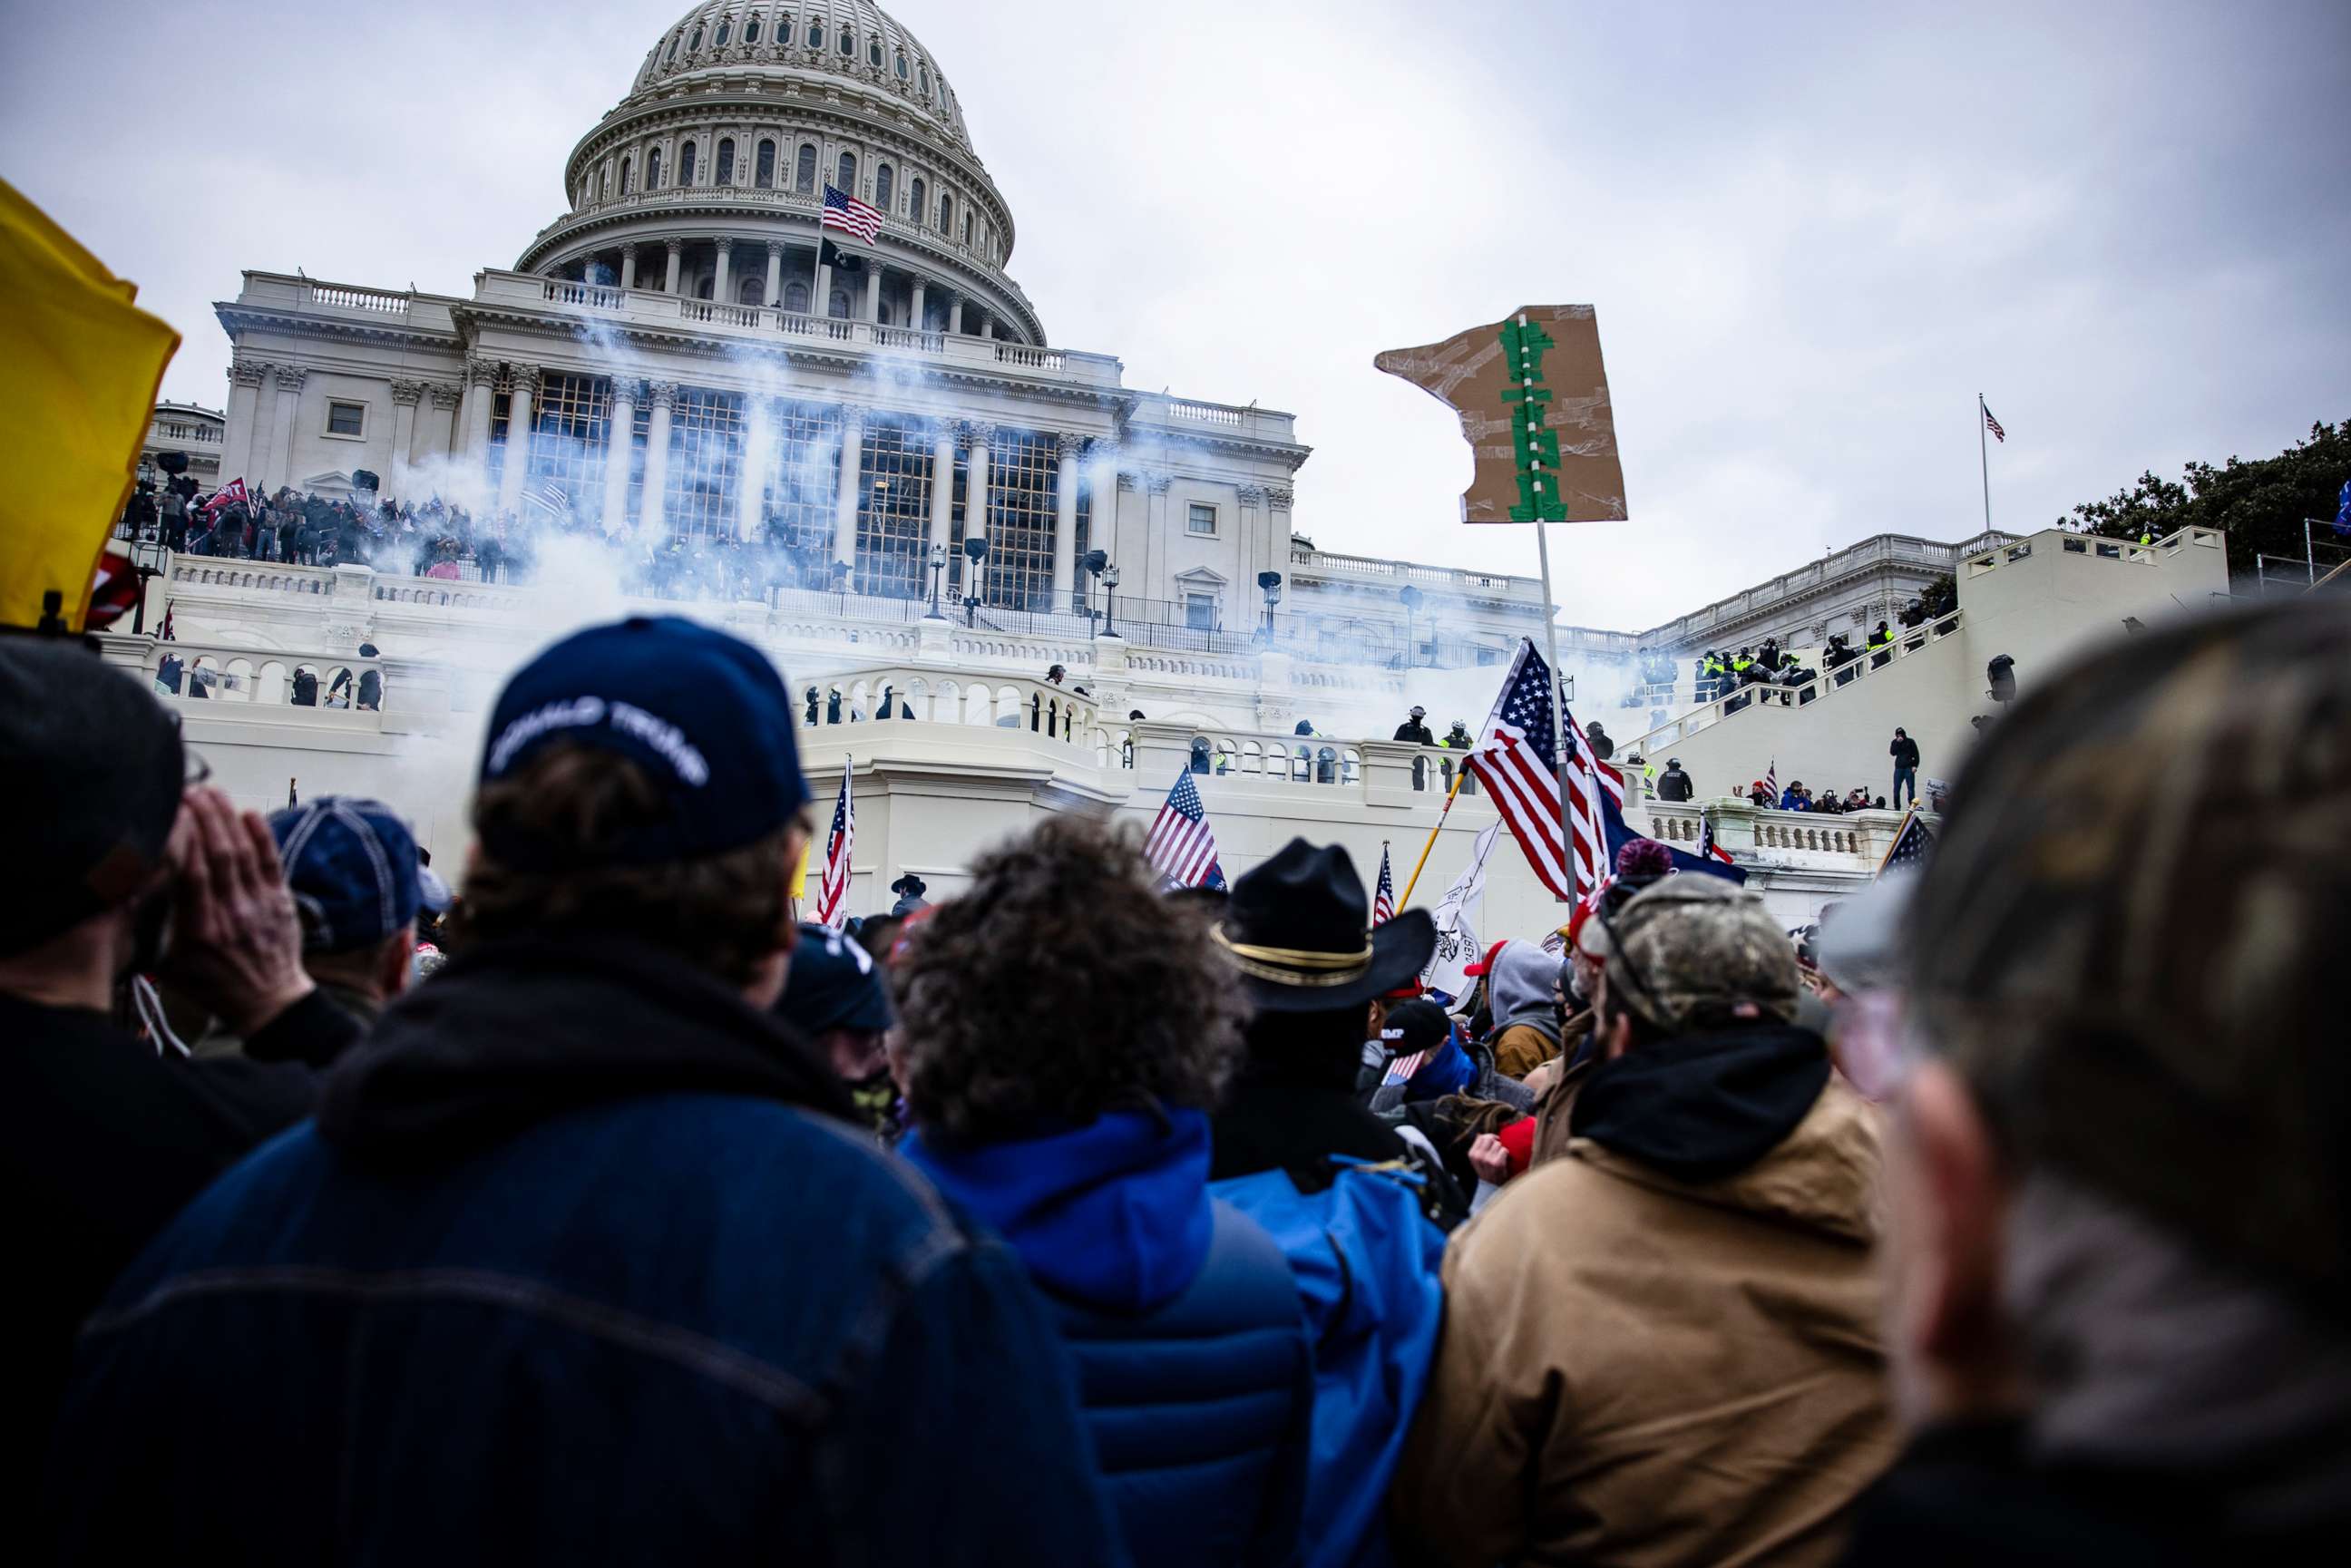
577	1265
1183	1319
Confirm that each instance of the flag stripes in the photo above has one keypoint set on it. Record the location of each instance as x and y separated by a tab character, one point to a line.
839	845
1181	846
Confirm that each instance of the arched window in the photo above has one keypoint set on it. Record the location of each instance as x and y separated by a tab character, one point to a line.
922	78
947	214
848	44
652	170
726	161
902	64
816	33
847	170
882	187
796	297
751	31
671	58
967	225
915	200
694	42
840	311
603	183
751	290
685	166
764	173
874	53
702	289
726	31
628	176
804	177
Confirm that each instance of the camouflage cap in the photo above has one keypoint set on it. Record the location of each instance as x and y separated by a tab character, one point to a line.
1690	949
2127	939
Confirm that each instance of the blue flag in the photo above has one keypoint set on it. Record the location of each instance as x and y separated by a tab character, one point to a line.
2343	512
1621	834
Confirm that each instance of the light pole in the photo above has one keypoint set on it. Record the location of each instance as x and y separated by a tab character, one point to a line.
938	565
1093	562
1412	597
841	585
1110	602
1271	581
976	549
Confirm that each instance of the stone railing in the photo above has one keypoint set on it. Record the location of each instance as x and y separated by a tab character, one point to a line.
261	677
1213	419
1884	551
346	297
445	593
905	694
254	576
1865	663
1855	842
1456	579
2122	551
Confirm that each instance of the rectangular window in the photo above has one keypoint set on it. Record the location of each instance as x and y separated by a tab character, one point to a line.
1200	612
706	461
1022	471
796	489
569	425
893	510
1201	519
347	419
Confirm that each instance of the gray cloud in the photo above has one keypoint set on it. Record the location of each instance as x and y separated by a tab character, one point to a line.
1813	234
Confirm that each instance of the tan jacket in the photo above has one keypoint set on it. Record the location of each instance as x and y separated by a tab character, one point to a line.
1636	1370
1521	1049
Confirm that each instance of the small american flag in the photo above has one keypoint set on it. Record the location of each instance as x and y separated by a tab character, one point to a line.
851	217
1181	846
1992	424
1384	896
1910	845
1401	1070
1517	757
832	890
549	496
1771	782
1706	844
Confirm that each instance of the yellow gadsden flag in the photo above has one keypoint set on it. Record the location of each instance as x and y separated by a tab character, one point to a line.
83	366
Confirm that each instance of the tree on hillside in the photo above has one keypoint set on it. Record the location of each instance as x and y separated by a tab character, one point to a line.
2259	505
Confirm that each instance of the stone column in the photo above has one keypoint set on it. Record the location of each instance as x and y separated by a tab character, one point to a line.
874	291
775	275
676	252
522	389
1155	527
844	497
981	435
917	319
821	291
628	266
278	468
955	312
619	432
244	379
437	437
943	456
987	322
1067	450
1252	548
405	396
1279	499
750	484
653	514
722	287
482	381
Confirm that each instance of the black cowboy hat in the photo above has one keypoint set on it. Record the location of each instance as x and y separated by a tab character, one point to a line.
1299	928
912	884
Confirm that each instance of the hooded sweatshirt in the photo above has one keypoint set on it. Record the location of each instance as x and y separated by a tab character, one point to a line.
1526	1019
1181	1314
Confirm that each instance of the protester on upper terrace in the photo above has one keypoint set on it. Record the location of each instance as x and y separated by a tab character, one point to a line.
1674	784
1663	1347
114	873
580	1260
1904	752
1414	730
1073	1118
2117	1175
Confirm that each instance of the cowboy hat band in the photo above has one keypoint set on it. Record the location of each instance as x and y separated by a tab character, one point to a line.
1295	965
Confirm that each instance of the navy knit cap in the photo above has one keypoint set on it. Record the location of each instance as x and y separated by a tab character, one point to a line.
354	872
702	713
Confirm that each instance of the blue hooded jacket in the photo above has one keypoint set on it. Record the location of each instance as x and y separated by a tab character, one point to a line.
1193	1371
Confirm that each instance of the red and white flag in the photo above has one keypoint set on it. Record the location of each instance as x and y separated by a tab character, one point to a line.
832	890
846	214
1181	846
229	495
1516	756
1384	895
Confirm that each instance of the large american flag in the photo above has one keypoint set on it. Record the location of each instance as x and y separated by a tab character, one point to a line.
1384	895
1181	846
1910	845
832	892
850	215
1992	424
1516	756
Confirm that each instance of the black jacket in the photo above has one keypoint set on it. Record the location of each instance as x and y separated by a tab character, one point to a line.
1415	732
1904	752
1674	784
1278	1116
101	1142
578	1262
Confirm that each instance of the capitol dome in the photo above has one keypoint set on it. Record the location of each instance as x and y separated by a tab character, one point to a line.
707	178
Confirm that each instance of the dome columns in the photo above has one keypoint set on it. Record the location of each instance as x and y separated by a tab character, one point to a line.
722	289
677	248
628	266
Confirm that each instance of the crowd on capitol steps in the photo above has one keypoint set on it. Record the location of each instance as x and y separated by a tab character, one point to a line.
599	1210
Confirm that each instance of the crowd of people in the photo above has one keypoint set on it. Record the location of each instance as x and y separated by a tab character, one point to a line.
603	1210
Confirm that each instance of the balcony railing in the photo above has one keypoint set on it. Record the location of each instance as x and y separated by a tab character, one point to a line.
1865	663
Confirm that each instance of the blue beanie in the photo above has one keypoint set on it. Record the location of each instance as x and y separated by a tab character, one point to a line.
702	713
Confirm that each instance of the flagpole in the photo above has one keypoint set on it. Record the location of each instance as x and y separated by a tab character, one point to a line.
1558	701
1983	458
1414	881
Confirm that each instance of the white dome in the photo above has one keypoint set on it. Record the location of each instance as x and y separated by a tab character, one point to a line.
851	40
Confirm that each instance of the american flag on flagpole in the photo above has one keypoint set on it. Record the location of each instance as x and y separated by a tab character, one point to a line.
1384	895
839	844
1181	846
1991	423
549	496
846	214
1771	782
1706	844
1517	757
1910	845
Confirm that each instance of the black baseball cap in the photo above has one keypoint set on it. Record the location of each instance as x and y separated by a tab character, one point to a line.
90	773
833	983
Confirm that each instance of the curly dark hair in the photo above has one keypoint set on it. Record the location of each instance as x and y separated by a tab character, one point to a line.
1059	986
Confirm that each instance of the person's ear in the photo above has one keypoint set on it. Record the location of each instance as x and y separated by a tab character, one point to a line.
396	964
1949	1197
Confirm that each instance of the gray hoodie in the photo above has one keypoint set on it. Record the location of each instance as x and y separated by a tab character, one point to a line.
1522	984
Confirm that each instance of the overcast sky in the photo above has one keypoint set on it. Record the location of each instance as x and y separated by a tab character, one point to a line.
1814	232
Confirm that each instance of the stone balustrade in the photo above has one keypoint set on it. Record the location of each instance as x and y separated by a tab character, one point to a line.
1850	841
230	672
252	576
906	694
